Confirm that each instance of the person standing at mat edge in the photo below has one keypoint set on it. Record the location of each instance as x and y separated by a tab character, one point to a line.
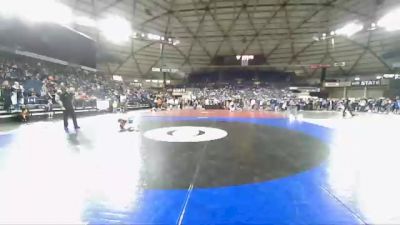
66	102
347	107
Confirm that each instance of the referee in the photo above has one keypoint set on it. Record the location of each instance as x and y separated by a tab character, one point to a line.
66	102
347	107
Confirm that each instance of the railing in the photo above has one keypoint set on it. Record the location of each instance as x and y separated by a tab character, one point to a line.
39	107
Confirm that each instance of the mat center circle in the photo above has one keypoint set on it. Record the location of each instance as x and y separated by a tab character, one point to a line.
185	134
233	152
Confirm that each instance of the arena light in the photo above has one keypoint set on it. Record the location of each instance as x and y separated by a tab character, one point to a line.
350	29
323	36
116	29
389	76
176	42
390	21
153	37
372	27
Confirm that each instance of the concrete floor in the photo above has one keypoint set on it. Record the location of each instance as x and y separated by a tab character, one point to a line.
202	167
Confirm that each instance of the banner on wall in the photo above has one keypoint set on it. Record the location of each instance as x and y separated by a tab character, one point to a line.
117	78
178	91
332	84
366	83
103	105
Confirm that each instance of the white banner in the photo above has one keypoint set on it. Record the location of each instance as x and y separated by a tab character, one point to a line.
332	84
103	105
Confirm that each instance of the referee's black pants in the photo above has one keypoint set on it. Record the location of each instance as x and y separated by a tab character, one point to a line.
69	113
347	108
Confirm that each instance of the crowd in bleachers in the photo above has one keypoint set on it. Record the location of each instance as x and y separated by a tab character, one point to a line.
273	99
27	81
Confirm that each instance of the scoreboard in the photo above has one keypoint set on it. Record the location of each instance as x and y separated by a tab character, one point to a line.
237	60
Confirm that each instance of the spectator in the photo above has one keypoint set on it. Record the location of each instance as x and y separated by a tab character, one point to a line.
66	102
6	95
17	97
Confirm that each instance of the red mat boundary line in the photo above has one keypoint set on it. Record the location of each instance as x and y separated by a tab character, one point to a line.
215	113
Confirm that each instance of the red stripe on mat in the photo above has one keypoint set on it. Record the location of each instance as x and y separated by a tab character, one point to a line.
216	113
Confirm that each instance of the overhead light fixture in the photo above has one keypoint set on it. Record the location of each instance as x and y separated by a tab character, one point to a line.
350	29
391	20
372	27
389	76
339	64
323	36
177	42
356	78
115	29
153	36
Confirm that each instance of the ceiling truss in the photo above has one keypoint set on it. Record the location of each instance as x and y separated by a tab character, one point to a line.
281	30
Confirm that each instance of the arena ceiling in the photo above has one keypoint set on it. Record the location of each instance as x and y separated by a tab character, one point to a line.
284	31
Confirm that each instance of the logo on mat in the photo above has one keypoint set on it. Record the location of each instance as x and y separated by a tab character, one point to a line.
185	134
